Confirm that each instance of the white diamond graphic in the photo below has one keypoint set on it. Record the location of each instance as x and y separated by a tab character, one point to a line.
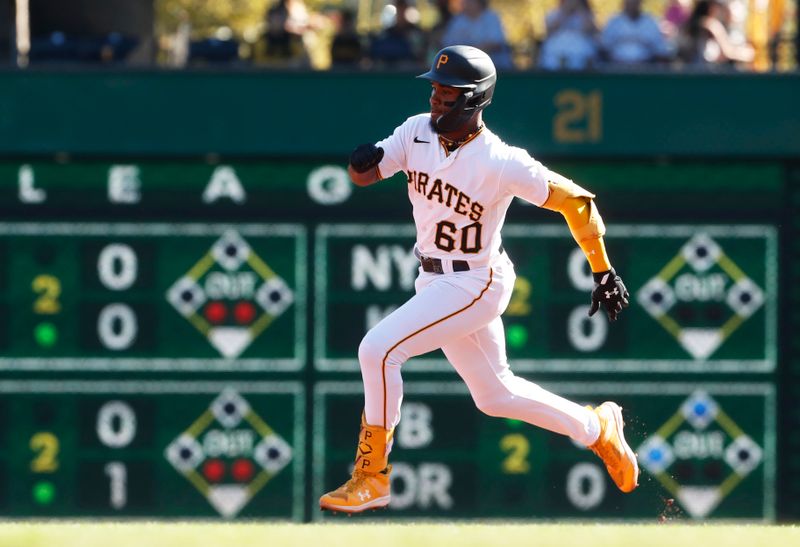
701	252
272	453
228	499
230	250
186	295
274	296
229	408
699	501
699	342
699	410
230	341
656	297
184	453
743	455
655	454
745	297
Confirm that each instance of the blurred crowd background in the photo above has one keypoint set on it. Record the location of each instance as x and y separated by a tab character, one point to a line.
749	35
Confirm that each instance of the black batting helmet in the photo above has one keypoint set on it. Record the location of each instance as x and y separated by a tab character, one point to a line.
467	68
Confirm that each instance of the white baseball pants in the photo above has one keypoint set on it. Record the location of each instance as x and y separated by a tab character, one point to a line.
460	313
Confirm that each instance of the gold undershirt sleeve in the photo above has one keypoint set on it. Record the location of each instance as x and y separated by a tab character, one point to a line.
587	228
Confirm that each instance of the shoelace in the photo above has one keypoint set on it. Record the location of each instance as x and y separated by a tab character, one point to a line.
355	481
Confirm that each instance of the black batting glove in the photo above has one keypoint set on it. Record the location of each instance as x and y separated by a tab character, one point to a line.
365	157
610	291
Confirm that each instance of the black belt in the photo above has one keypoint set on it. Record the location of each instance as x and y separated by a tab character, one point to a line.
434	265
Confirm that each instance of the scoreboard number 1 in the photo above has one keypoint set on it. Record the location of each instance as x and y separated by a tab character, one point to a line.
118	484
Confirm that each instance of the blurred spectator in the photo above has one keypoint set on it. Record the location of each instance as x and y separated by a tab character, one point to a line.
571	40
84	48
705	39
477	25
676	14
631	37
218	49
346	48
290	28
401	42
444	13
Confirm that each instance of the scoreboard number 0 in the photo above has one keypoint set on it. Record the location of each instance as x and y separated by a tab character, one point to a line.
586	486
117	326
116	424
117	266
585	333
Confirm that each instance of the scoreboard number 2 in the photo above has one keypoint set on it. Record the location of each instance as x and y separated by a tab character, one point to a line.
48	287
518	447
45	446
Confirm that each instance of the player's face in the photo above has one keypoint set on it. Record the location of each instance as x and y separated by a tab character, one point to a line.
442	99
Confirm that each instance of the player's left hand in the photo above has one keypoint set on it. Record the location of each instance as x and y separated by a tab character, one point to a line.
610	291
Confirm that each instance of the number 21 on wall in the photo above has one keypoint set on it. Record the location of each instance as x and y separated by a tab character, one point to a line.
579	116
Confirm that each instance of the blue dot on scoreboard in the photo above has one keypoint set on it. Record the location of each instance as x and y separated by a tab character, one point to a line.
700	409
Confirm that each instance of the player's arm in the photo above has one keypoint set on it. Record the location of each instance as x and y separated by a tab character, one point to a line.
363	167
577	206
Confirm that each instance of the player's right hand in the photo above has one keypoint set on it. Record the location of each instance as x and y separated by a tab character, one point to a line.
365	157
610	292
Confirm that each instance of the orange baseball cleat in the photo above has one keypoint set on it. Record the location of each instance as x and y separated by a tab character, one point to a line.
363	491
613	450
368	487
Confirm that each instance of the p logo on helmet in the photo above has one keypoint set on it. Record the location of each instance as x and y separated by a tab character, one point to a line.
442	60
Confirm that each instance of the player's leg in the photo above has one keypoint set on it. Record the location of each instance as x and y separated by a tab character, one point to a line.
480	359
444	309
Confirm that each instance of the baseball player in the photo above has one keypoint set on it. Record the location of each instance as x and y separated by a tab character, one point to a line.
461	180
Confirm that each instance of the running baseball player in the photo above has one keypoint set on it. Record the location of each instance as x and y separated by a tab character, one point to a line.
461	180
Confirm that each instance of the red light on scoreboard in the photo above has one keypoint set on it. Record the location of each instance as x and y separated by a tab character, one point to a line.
213	470
244	312
242	470
216	312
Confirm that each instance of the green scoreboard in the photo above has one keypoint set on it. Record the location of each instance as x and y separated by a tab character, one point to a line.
703	297
180	340
140	297
152	448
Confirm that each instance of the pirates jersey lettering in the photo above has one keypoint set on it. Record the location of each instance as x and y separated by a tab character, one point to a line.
419	180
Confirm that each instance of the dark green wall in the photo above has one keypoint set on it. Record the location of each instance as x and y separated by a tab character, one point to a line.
325	114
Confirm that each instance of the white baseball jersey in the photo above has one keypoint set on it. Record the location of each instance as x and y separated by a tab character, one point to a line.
460	199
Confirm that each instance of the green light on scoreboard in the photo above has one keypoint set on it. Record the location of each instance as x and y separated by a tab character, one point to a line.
517	336
46	334
44	492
